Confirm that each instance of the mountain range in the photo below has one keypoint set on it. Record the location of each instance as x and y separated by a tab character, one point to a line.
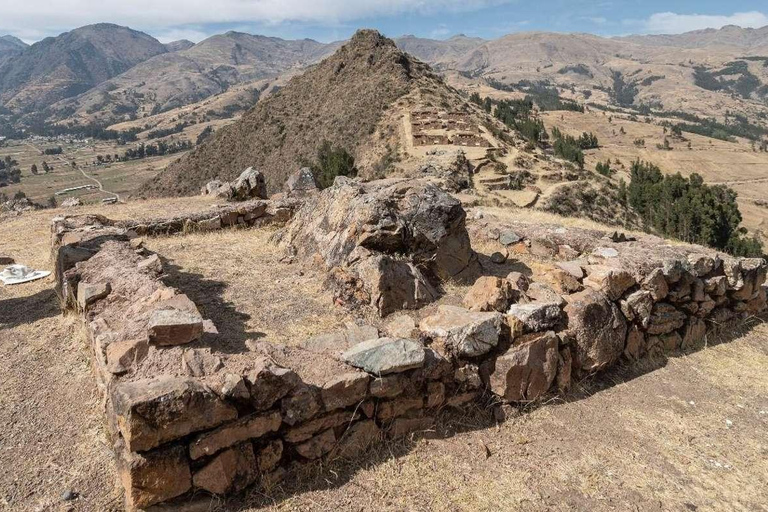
105	74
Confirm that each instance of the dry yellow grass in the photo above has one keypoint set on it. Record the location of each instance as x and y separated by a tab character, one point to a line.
717	161
651	437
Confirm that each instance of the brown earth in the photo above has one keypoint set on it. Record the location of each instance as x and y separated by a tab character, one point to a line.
687	433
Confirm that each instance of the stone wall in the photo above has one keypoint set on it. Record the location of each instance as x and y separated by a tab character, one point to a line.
223	424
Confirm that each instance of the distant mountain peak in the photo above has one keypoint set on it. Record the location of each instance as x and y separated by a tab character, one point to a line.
14	40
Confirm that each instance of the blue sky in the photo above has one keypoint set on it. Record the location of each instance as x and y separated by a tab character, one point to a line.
327	20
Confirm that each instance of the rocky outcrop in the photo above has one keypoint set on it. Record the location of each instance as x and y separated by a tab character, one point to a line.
393	241
251	184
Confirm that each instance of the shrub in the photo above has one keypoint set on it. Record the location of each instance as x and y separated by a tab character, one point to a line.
331	162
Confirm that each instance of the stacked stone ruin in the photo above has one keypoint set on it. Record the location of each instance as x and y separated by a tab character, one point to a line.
187	422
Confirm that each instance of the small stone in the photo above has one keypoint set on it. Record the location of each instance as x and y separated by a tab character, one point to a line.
269	383
508	237
174	327
498	258
87	294
534	317
318	445
155	476
518	281
398	407
467	333
229	472
543	248
701	264
543	293
385	355
344	390
388	386
656	284
489	293
235	388
301	405
152	264
249	427
597	328
573	268
605	252
69	495
611	281
665	318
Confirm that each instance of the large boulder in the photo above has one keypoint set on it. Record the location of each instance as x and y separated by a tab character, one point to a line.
251	184
412	222
597	329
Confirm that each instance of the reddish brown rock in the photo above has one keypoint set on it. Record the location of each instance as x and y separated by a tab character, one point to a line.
613	282
269	383
665	318
656	284
388	386
231	471
301	405
398	407
154	477
174	327
526	371
249	427
269	456
357	439
307	430
151	412
489	293
344	390
318	445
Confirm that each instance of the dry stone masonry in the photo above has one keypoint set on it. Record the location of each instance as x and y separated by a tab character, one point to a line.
188	420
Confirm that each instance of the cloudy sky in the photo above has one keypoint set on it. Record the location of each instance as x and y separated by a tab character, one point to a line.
328	20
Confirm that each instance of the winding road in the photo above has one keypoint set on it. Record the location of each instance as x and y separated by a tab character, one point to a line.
98	183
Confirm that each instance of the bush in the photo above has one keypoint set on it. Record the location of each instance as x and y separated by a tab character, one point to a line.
331	162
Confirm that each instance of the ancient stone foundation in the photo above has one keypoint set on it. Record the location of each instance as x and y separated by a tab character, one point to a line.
188	421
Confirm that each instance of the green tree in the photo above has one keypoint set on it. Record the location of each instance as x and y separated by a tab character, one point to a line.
332	161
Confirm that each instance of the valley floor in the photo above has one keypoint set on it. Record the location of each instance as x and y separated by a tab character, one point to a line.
688	433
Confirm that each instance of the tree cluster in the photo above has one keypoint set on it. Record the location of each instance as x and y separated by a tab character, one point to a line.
689	210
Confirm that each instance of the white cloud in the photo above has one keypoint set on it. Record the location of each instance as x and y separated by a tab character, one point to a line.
441	32
176	34
673	23
32	18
